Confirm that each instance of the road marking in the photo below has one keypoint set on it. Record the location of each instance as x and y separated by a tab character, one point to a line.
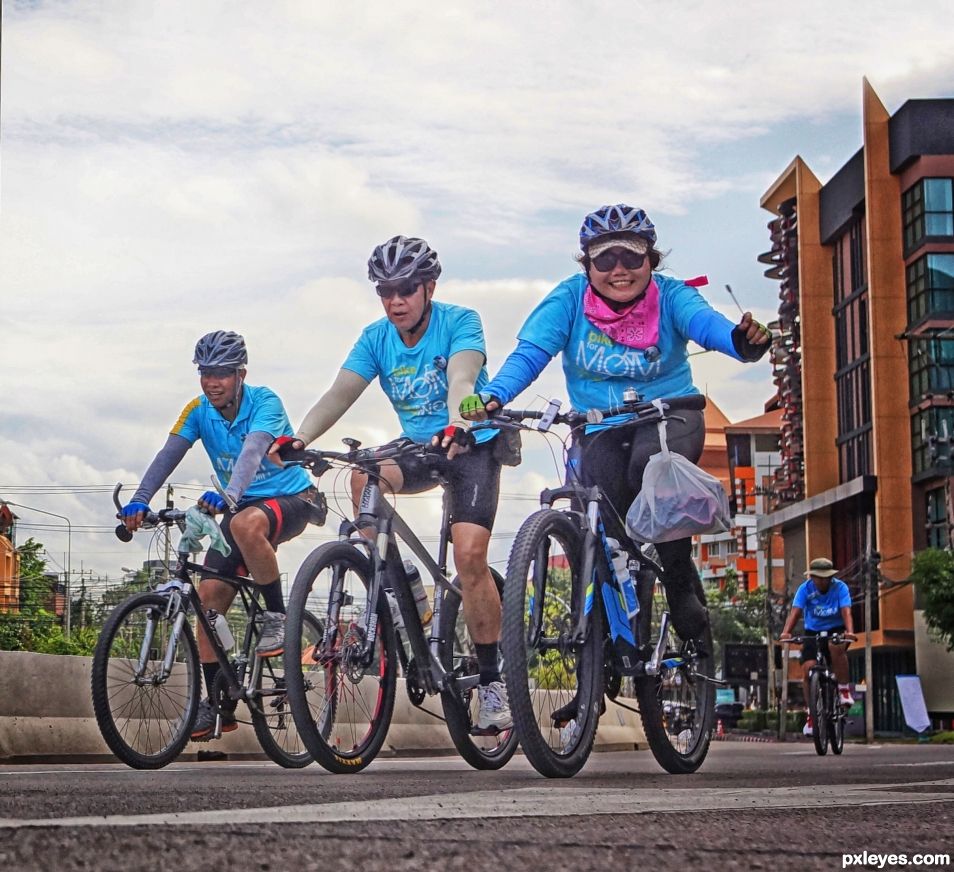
526	802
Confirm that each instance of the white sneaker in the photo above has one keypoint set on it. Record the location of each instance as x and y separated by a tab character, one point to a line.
569	735
845	697
494	715
808	729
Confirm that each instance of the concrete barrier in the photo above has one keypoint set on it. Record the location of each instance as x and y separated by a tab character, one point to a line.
46	713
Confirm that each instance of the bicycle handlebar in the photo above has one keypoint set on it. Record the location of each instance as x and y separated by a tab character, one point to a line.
837	638
150	519
318	462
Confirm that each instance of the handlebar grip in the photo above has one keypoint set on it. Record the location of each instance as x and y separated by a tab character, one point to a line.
123	534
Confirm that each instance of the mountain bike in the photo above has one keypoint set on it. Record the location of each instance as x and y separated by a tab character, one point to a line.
342	689
146	675
572	633
828	714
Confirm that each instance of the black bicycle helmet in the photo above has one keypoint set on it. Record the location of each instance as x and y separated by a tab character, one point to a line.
221	348
403	257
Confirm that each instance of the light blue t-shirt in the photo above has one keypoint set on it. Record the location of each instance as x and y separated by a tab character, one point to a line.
822	610
415	379
261	411
598	370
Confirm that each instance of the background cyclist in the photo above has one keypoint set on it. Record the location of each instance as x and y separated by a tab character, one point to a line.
236	423
826	604
427	357
619	324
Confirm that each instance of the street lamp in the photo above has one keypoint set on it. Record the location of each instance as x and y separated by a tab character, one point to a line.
69	556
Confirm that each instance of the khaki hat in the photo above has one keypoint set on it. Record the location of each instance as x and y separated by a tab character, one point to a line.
822	567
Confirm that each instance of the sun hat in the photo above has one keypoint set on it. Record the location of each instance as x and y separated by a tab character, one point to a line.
822	567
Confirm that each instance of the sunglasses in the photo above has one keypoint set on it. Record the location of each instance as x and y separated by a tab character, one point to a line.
408	289
217	371
607	260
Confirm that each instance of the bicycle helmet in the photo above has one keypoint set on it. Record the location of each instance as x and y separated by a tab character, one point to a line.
616	219
221	348
402	257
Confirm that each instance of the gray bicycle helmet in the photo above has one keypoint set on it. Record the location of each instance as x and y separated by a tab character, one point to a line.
616	219
221	348
403	257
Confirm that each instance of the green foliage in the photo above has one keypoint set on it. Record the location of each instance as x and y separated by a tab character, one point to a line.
735	615
933	572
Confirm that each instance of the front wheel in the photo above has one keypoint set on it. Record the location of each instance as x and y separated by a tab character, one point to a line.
341	700
459	657
677	706
554	678
271	712
144	709
819	713
836	730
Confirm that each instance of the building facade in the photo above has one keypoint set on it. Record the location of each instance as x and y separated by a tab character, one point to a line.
863	367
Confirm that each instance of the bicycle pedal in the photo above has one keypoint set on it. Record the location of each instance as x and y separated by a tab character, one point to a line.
486	731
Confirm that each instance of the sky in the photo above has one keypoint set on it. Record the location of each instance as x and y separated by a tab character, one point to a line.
170	169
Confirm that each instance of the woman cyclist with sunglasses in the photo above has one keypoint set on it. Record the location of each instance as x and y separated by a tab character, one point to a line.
622	325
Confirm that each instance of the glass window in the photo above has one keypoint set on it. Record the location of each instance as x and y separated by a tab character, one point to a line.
937	533
932	421
931	365
930	281
928	211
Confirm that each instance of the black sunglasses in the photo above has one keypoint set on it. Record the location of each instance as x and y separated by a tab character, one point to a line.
408	289
607	260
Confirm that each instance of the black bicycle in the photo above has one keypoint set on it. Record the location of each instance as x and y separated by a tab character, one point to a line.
572	631
342	688
146	677
828	713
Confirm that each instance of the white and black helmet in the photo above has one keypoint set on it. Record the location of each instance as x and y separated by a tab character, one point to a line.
221	348
403	257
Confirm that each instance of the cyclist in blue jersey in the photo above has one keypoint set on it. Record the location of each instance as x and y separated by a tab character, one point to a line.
236	423
825	602
619	325
427	356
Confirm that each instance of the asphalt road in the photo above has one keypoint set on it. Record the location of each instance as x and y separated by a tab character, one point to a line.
752	806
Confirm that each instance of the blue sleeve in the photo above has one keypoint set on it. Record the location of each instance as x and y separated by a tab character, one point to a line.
362	359
187	425
695	319
521	368
801	597
844	596
467	333
268	415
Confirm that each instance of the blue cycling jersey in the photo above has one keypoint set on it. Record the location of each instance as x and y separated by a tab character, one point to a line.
822	610
261	411
415	379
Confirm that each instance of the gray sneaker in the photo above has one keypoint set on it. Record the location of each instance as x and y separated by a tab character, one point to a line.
272	641
204	727
494	715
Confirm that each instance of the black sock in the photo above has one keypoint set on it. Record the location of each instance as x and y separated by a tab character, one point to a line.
272	597
488	662
209	671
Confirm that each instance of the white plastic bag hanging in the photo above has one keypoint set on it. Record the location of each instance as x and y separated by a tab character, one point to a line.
678	499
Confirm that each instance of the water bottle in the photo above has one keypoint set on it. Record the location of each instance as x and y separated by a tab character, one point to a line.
624	578
420	595
398	621
221	627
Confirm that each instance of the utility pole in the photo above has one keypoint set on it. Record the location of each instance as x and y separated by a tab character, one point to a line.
872	559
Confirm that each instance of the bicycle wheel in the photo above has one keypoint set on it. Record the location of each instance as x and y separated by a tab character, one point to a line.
145	714
554	682
271	713
341	703
677	706
816	706
836	733
460	708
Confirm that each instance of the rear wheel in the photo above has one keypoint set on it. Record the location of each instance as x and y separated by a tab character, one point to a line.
271	712
145	712
459	656
836	732
816	706
677	706
341	700
554	679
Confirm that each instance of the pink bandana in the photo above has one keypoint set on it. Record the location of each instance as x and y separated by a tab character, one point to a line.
635	327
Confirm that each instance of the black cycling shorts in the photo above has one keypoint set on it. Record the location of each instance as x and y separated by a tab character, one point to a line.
287	517
473	482
810	645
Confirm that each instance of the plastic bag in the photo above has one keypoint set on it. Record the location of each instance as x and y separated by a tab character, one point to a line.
678	499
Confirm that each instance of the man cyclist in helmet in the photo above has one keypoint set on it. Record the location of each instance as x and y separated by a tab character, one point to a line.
621	325
428	356
236	423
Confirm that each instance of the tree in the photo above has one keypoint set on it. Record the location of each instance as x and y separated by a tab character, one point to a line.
736	616
933	573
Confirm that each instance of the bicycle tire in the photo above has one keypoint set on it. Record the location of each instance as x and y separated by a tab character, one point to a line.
145	723
272	719
342	708
816	706
677	706
836	735
458	656
547	673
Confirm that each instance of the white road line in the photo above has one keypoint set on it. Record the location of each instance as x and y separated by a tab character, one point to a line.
525	802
